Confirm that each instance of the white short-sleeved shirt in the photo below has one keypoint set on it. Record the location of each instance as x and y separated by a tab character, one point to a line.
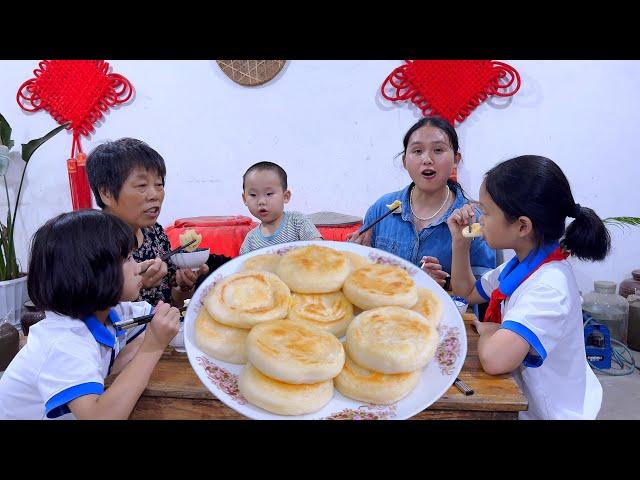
64	358
546	311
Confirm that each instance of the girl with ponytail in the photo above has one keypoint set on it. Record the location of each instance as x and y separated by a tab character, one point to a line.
533	325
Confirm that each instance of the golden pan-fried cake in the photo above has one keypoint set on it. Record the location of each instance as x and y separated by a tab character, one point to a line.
245	299
365	385
357	261
187	236
280	397
267	262
475	230
220	341
380	285
429	306
294	352
314	269
391	340
328	311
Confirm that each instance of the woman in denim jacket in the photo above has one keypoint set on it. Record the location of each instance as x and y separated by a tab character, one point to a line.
418	231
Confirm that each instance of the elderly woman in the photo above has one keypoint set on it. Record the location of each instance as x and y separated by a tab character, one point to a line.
127	179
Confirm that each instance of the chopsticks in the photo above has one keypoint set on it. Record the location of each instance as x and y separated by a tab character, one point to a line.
379	219
166	256
134	322
463	387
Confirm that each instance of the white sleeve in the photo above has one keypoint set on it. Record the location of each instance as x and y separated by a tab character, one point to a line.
127	310
489	282
71	370
539	316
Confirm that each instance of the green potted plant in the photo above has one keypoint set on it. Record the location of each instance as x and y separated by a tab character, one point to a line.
13	284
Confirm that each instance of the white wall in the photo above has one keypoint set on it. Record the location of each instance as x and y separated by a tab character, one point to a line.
327	125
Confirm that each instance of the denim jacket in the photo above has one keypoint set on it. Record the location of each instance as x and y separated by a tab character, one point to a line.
396	234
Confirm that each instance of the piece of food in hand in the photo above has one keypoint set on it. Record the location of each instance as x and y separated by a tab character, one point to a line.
474	231
189	235
396	203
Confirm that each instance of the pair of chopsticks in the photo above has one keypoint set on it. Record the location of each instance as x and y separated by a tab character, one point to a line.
380	218
134	322
166	256
463	387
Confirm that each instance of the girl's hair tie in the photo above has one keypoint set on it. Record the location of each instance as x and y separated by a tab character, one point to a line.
576	211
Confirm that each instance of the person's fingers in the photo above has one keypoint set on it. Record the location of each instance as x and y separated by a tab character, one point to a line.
353	237
159	274
430	260
144	265
189	275
438	274
476	324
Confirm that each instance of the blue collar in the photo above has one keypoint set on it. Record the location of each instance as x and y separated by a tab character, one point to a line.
406	205
100	332
515	271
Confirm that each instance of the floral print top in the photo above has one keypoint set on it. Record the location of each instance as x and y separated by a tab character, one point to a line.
155	243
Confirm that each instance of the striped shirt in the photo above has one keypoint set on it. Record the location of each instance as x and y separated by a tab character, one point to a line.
293	227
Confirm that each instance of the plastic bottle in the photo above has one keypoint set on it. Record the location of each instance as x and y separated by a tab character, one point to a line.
608	308
633	337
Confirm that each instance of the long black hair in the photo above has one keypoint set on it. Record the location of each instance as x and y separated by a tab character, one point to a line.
449	131
535	187
75	266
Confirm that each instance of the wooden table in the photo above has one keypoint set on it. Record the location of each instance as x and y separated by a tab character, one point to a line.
175	392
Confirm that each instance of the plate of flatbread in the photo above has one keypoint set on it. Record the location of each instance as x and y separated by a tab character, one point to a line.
324	330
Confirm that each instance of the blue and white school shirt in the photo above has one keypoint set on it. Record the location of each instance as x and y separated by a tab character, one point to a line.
546	311
64	358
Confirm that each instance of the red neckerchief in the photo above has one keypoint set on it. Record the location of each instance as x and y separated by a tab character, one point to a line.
494	313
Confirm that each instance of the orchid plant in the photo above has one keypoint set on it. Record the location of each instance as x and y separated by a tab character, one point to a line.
9	268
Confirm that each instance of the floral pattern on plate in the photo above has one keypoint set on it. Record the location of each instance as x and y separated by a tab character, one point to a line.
224	380
365	412
448	349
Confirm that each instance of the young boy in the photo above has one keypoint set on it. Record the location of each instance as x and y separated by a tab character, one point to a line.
264	191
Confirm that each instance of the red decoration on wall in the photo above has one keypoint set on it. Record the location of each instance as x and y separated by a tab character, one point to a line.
450	88
75	91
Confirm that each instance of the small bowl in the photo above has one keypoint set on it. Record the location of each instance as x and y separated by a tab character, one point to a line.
461	304
191	260
178	341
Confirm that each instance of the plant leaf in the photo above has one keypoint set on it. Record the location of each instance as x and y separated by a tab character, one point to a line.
622	222
32	146
5	132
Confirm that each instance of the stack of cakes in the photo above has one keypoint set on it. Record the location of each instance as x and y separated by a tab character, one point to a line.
282	316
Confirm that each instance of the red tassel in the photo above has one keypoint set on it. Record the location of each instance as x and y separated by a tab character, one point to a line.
72	169
83	181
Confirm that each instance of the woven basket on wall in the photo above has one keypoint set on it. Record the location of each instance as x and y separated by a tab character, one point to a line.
251	72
